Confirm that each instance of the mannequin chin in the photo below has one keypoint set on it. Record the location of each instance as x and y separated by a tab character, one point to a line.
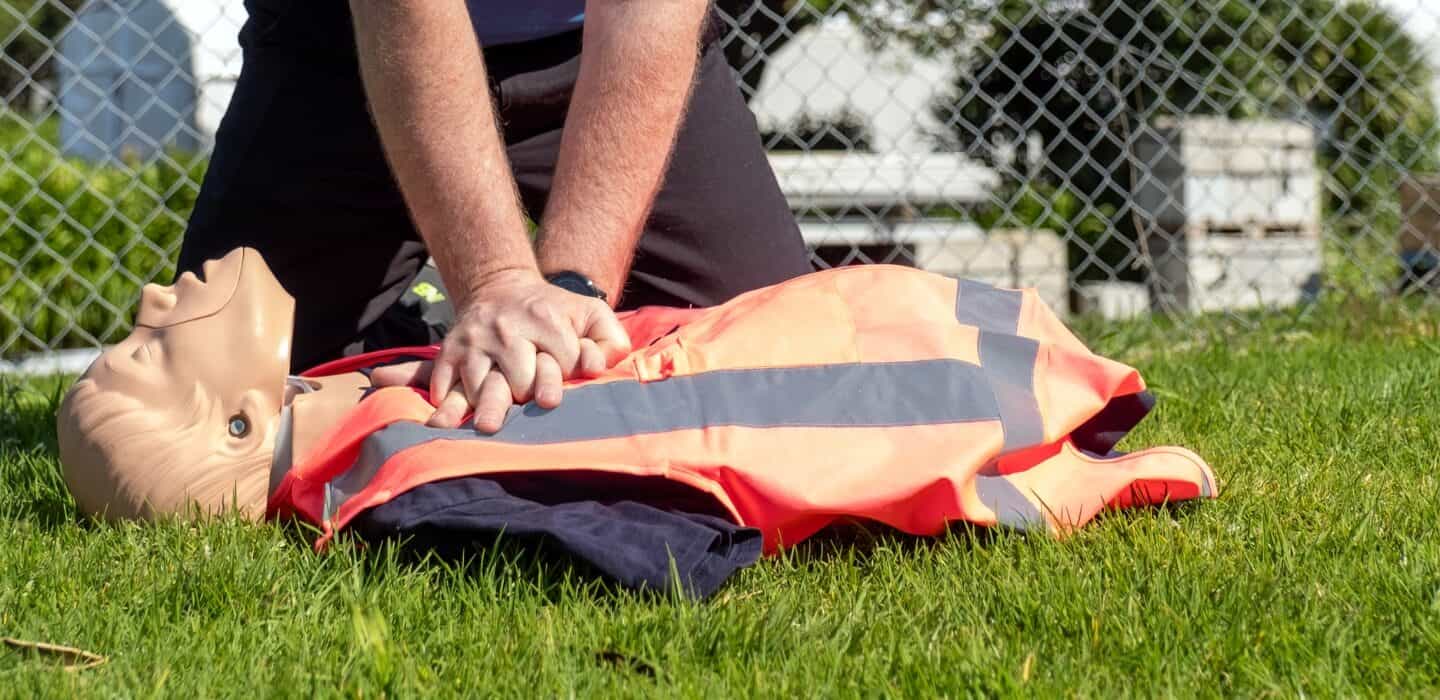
182	415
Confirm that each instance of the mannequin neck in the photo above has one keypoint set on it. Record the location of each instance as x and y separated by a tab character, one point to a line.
316	413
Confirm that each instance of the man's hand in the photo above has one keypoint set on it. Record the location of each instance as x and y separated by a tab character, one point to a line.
517	337
518	341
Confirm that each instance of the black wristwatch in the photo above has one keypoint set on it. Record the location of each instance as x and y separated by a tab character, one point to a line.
576	282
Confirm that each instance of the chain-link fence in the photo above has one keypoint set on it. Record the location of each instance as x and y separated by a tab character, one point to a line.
1125	157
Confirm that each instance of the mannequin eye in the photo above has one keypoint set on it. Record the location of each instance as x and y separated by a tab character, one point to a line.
239	425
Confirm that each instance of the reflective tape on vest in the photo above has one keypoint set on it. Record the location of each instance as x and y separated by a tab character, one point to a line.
892	394
882	394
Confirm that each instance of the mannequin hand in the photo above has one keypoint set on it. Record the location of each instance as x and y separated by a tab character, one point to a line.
518	339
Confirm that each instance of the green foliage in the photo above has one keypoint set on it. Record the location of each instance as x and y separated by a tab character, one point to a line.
845	131
1086	75
79	241
1077	78
1041	205
29	29
770	24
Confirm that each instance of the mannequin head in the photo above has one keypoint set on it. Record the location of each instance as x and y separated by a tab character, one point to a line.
184	411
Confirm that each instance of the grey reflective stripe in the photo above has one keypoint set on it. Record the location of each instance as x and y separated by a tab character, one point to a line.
373	454
331	505
282	457
1008	358
926	392
1009	361
987	308
1012	508
890	394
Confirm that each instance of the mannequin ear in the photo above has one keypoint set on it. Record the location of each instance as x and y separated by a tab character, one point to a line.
250	426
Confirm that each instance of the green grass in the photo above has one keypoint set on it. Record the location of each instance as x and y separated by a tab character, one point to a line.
1317	572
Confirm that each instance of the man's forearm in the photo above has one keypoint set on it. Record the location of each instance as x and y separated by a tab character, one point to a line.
635	76
425	79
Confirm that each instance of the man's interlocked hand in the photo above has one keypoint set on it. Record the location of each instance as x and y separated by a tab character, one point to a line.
516	339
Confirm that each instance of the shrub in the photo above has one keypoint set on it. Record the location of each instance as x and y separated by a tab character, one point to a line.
1072	72
29	30
1095	251
80	240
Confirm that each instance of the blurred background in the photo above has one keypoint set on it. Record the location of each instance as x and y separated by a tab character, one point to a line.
1191	163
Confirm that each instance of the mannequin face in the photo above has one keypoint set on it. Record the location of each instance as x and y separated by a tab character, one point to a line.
184	410
228	335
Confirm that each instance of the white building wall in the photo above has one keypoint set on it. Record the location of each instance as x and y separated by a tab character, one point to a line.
137	76
828	68
216	26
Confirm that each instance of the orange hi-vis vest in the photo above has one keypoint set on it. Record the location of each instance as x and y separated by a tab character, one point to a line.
874	392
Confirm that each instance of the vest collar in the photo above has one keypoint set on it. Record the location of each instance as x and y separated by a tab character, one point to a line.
283	456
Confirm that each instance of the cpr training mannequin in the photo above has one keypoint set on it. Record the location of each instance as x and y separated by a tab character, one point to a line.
186	410
878	393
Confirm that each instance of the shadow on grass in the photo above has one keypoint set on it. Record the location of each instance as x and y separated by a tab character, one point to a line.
862	540
500	563
48	513
34	492
546	572
31	487
27	412
553	574
1172	511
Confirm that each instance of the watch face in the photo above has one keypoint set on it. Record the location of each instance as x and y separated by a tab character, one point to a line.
577	283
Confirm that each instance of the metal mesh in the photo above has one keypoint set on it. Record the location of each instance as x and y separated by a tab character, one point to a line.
1207	160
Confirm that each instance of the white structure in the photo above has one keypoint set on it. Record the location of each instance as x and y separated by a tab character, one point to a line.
1033	258
872	198
863	181
1245	198
828	68
141	75
1114	300
837	179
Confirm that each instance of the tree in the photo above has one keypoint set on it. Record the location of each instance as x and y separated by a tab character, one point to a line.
1079	73
763	27
28	32
845	131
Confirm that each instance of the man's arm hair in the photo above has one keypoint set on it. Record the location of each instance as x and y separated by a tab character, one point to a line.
425	80
636	72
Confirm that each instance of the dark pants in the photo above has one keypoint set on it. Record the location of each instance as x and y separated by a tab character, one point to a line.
298	173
